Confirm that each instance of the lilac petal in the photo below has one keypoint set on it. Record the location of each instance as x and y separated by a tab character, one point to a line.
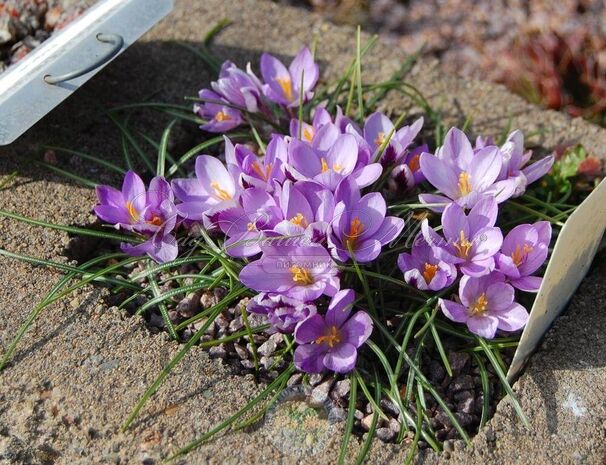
137	250
391	228
192	210
416	279
212	173
243	245
165	249
367	251
133	190
470	289
437	202
454	222
188	190
502	190
107	195
159	191
343	155
484	326
365	176
485	168
304	65
371	211
513	318
534	260
309	358
310	329
325	138
527	283
340	307
113	215
478	268
544	230
505	265
304	158
454	311
357	329
500	296
456	148
486	243
321	117
539	169
274	73
376	128
440	174
440	280
483	214
342	358
329	179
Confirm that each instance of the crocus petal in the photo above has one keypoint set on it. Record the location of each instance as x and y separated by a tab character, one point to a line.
278	79
513	318
483	214
485	326
456	148
391	228
365	176
164	249
500	296
376	129
310	329
340	307
304	66
478	268
527	283
454	311
188	190
454	222
159	191
367	251
487	243
357	329
440	174
342	358
343	155
113	215
212	174
539	169
309	358
436	203
107	195
133	190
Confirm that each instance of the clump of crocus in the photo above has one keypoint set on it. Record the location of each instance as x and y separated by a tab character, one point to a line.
331	341
486	305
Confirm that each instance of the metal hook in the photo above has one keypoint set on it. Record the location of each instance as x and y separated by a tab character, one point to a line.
115	39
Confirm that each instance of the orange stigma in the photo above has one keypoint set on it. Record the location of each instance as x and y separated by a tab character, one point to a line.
262	174
331	338
520	253
299	220
356	228
414	163
155	220
222	116
134	215
429	271
380	139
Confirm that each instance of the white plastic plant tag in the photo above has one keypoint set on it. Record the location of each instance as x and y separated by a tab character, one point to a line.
572	255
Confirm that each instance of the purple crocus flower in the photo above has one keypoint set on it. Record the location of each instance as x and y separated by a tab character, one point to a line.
524	250
255	171
515	159
378	127
220	116
407	173
283	85
332	341
423	269
300	272
330	168
462	175
151	213
486	304
238	87
471	241
308	131
245	224
213	190
360	227
282	312
308	209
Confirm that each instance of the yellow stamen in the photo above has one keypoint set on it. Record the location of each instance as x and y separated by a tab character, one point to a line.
520	253
222	116
299	220
301	276
380	139
134	215
429	271
336	168
220	192
463	247
308	135
286	86
324	165
332	337
356	228
464	183
479	307
251	227
263	174
414	163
